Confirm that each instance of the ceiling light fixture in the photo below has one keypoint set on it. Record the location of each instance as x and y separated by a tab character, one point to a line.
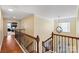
10	9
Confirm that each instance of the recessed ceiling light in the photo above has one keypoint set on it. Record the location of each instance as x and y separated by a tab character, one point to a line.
10	9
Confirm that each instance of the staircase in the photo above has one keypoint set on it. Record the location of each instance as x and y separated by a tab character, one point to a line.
57	43
29	43
61	44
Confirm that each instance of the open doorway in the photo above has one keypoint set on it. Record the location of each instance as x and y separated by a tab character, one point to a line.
11	26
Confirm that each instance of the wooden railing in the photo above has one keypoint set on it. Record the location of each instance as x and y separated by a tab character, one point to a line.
61	44
29	42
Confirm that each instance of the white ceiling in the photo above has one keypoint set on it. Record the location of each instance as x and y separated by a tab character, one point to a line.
46	11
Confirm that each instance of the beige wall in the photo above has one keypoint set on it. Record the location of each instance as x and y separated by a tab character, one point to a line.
77	23
77	27
5	21
28	24
1	28
18	24
43	28
35	25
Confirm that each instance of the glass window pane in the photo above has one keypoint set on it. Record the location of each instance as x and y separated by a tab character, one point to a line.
65	26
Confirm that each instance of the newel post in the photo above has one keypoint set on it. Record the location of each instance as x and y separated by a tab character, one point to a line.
37	44
52	41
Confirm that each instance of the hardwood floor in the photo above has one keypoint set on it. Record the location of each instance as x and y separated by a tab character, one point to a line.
10	45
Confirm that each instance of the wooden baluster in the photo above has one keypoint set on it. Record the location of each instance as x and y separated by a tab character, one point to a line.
68	45
77	45
37	44
62	44
59	44
19	35
56	44
52	41
65	44
43	47
72	45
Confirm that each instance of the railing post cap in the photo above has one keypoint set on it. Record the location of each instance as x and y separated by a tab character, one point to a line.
52	33
37	38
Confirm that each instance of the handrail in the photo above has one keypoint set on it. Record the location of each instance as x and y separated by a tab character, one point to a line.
66	36
35	38
27	35
60	35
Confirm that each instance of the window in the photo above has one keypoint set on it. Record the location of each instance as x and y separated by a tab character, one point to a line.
65	26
